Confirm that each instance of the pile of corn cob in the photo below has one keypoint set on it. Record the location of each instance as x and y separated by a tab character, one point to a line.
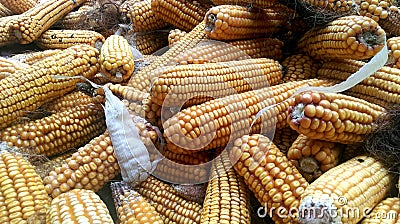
194	76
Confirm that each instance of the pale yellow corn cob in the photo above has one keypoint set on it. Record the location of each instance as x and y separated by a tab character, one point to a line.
78	206
342	194
61	39
116	58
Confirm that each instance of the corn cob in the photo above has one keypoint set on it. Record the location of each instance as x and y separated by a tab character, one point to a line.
61	39
57	133
192	192
132	207
149	42
4	11
141	81
284	138
184	15
141	15
89	168
19	6
175	35
262	4
93	165
116	58
67	102
333	117
383	85
198	83
128	93
6	34
349	37
164	198
31	58
227	199
78	206
234	22
299	67
213	123
394	48
314	157
10	66
43	168
28	26
392	23
34	86
275	182
22	194
386	212
214	51
344	190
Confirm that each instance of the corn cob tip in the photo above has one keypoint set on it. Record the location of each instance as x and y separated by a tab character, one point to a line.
318	210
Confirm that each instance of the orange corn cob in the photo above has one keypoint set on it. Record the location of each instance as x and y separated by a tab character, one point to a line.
349	37
314	157
343	193
275	182
175	35
61	39
211	124
394	48
333	117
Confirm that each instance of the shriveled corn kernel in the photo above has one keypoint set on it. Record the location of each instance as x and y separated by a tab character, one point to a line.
175	35
57	133
211	124
197	83
333	117
299	67
386	212
313	157
227	198
359	183
391	24
383	85
28	26
78	206
30	88
22	194
61	39
275	182
141	81
141	15
182	14
132	207
173	208
234	22
192	192
116	58
348	37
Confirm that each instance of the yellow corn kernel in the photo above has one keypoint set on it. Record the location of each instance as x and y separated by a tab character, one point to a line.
299	67
9	66
19	6
175	35
149	42
4	11
284	138
31	58
386	212
67	102
394	48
